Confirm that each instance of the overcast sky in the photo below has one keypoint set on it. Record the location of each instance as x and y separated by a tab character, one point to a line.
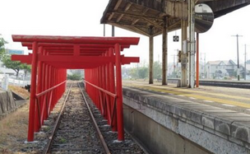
82	18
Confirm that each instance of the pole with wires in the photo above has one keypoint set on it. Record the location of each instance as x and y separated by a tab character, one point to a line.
238	61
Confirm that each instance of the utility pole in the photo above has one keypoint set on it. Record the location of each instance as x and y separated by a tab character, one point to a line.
174	63
245	72
203	57
238	62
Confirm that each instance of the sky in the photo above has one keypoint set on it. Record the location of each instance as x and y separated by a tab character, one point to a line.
82	18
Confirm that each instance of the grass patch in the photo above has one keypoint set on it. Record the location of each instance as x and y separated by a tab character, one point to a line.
20	91
13	130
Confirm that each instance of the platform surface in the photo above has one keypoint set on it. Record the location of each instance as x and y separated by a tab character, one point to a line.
228	98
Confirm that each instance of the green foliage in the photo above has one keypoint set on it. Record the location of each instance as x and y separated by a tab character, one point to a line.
2	49
74	77
26	67
15	65
157	70
133	73
143	71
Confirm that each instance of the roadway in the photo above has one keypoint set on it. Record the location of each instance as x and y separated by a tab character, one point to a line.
236	99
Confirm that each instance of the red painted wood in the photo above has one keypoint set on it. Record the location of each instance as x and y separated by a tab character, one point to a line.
97	55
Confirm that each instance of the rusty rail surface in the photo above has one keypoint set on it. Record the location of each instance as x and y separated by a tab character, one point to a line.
51	138
103	142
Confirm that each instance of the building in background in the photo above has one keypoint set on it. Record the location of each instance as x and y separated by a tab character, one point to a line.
213	70
248	66
14	52
222	69
248	70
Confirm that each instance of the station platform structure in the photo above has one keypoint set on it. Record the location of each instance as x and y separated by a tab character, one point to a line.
228	98
201	120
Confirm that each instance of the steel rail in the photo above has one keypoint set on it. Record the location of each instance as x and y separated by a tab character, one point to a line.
104	144
51	138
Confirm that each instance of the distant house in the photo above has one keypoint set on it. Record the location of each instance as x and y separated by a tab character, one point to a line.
202	71
248	65
221	69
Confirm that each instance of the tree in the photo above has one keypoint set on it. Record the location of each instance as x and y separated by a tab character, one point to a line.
2	49
26	68
142	72
133	73
15	65
74	77
157	70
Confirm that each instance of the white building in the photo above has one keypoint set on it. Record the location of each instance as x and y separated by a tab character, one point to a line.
221	69
248	66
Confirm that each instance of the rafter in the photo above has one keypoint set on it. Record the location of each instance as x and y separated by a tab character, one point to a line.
131	28
115	8
135	21
143	13
136	15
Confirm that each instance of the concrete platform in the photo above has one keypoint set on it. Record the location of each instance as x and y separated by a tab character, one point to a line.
228	98
215	119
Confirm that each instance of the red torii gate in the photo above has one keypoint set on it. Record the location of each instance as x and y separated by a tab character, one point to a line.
52	55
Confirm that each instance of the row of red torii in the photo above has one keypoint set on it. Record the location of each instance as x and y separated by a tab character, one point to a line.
101	59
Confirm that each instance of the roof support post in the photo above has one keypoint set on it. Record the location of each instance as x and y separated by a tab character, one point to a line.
32	93
151	55
191	44
119	92
113	31
164	52
184	58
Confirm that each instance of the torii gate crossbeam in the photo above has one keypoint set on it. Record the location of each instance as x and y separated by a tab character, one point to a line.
99	56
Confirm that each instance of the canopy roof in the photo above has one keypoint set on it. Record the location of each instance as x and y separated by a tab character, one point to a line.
139	15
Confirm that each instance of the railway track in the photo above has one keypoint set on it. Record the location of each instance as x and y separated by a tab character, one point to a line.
76	130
